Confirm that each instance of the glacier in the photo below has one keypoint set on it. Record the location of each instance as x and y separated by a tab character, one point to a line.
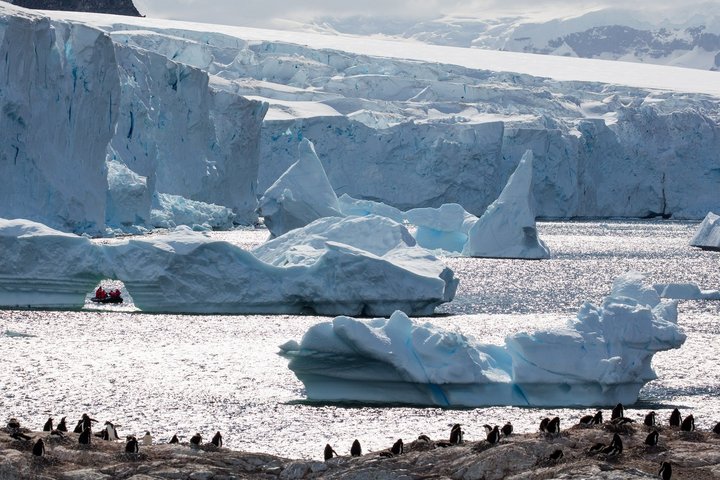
599	358
352	265
707	235
215	114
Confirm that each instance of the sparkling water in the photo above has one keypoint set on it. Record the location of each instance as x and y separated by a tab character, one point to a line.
203	373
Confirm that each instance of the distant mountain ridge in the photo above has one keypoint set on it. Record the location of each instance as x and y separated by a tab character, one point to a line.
116	7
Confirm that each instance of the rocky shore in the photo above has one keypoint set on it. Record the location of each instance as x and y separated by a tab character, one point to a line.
693	455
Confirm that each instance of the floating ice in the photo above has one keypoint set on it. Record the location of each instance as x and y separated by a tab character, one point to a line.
685	291
301	195
707	235
601	357
507	228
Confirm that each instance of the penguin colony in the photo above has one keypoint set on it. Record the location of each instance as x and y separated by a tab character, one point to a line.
549	427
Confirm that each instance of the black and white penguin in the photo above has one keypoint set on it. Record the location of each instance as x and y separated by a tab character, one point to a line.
329	452
554	426
39	448
597	448
494	436
487	428
62	426
675	418
217	440
716	429
598	418
587	420
13	424
507	429
196	439
102	434
147	439
132	446
617	412
557	455
665	472
356	449
78	427
456	434
615	448
543	424
424	438
174	439
398	447
688	425
652	438
87	421
111	431
650	420
85	437
48	427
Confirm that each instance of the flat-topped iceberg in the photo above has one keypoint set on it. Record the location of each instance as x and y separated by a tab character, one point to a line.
685	291
601	357
352	265
42	267
707	235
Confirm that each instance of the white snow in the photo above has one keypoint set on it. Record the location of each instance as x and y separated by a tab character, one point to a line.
507	228
601	357
301	195
707	235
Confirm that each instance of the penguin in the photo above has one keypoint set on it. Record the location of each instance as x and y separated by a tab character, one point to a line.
398	448
507	429
494	436
597	448
57	433
423	438
87	421
688	425
18	435
329	452
196	439
147	438
174	439
102	434
48	427
716	429
554	426
131	446
675	418
587	420
13	424
652	438
356	449
598	418
665	472
617	412
650	419
85	437
217	440
615	448
456	434
557	455
78	427
111	432
62	426
39	448
543	424
487	428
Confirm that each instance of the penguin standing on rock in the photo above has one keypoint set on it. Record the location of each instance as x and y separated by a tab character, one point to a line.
652	438
39	448
13	424
131	446
147	439
174	439
650	419
87	421
544	424
688	425
78	427
356	449
554	426
111	431
62	426
217	440
615	448
398	448
507	429
48	427
665	472
675	418
456	434
196	439
329	452
617	412
494	436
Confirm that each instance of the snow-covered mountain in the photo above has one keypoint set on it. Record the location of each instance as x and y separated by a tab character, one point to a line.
107	119
116	7
687	37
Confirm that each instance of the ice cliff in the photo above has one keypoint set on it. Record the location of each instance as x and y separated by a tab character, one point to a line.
354	265
601	357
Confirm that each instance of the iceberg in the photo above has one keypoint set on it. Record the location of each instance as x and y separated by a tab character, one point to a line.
446	227
300	196
174	210
45	268
707	235
685	291
507	228
599	358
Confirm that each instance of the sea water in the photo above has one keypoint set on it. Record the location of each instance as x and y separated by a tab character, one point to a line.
184	374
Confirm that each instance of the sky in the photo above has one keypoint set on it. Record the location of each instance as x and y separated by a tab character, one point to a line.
283	13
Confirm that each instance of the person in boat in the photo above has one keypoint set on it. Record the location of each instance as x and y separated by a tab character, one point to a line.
100	293
115	293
